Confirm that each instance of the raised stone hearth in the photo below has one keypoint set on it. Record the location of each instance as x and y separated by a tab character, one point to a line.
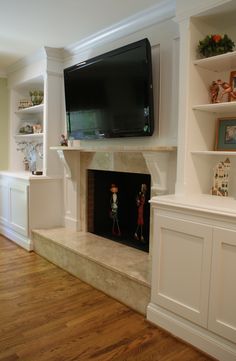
118	270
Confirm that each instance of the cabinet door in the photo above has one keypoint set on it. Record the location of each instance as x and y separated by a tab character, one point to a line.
18	207
4	202
181	267
222	310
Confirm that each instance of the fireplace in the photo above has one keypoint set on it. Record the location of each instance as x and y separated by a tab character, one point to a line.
157	162
118	207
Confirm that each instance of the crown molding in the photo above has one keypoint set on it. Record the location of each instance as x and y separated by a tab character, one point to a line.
162	11
27	60
44	53
53	53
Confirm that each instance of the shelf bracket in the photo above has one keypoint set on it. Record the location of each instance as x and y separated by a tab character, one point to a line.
157	164
64	162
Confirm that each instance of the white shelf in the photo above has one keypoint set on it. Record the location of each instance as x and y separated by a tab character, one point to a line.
29	136
25	175
31	110
200	202
227	107
112	148
213	152
218	63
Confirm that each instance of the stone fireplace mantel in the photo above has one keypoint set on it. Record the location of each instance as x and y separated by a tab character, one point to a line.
156	158
158	161
117	148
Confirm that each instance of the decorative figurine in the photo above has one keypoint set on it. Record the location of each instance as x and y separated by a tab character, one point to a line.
114	210
218	89
214	92
26	129
140	201
26	164
32	152
63	141
221	179
37	128
227	90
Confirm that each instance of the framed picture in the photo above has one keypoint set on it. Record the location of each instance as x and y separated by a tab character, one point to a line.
226	134
232	82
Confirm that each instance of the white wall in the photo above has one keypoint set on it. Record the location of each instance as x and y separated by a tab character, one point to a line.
164	39
192	7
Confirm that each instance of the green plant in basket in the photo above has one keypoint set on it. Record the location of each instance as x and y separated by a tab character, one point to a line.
36	96
215	44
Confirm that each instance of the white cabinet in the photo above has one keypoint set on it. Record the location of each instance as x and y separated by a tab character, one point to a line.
14	205
18	207
23	200
181	270
194	271
194	233
4	203
14	217
222	310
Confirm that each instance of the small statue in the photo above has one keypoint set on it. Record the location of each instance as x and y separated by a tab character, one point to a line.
220	185
140	202
26	164
37	128
214	92
114	210
63	141
227	89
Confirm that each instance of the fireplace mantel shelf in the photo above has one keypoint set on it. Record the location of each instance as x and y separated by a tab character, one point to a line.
156	158
120	148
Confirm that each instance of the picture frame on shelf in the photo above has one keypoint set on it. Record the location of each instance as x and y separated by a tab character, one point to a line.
226	134
232	82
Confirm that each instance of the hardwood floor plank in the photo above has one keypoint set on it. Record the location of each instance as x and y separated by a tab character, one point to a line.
47	314
10	358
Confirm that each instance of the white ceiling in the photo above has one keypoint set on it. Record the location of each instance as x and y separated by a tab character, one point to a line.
26	25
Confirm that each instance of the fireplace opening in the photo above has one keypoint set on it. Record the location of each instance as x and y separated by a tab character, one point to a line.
118	207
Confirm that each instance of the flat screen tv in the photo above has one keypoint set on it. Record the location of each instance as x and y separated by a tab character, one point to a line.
111	95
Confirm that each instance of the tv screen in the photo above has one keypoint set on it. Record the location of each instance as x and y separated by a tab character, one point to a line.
111	95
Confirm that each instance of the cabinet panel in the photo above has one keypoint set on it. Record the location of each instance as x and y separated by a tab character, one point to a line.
4	203
181	283
18	208
222	311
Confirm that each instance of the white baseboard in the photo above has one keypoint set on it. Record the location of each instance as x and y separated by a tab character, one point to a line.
22	241
199	337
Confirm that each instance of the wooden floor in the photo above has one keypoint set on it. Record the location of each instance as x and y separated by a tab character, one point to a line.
48	315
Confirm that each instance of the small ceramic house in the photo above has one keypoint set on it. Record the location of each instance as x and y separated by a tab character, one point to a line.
221	178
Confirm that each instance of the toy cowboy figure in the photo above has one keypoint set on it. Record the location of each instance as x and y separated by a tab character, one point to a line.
140	201
114	210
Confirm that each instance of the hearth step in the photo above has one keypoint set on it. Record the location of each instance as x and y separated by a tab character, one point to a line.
118	270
